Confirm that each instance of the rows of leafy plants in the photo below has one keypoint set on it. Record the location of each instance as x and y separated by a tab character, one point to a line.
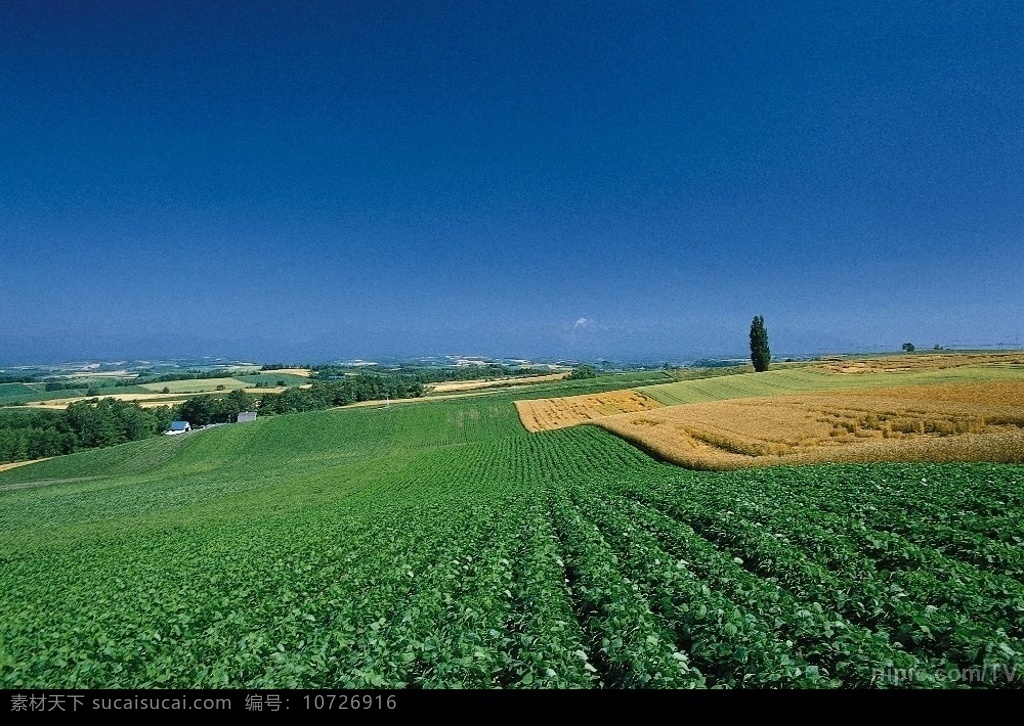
946	613
439	545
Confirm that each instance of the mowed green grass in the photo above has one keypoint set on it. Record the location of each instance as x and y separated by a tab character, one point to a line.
438	544
783	381
201	385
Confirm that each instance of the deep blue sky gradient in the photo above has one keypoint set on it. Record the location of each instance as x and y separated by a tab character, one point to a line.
319	180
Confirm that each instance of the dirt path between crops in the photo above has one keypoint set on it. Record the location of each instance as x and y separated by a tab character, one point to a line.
15	464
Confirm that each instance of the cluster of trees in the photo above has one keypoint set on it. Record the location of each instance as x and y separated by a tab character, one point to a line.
327	394
17	379
281	383
581	372
83	425
202	410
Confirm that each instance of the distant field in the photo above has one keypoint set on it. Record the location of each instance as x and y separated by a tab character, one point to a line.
972	421
920	362
555	413
271	378
201	385
11	392
155	399
301	372
897	408
145	400
452	386
783	381
28	392
570	410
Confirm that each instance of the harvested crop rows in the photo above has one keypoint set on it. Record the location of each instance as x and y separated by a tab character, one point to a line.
557	413
978	421
440	545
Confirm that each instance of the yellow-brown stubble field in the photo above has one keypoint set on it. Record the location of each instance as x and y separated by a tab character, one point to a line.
920	362
558	413
969	421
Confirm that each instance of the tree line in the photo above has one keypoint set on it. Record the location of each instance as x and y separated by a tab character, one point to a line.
343	392
83	425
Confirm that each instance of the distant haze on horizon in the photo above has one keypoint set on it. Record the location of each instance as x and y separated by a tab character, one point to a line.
325	180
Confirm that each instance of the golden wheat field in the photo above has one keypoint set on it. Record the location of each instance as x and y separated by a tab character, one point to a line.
919	362
304	372
559	413
975	421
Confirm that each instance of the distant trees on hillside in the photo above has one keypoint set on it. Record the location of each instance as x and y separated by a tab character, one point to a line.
202	410
581	372
281	366
353	389
83	425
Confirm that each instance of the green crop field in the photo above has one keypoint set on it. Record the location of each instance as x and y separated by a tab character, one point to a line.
11	393
200	385
783	381
271	378
439	545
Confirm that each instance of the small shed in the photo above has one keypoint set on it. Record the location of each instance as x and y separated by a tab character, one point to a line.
246	416
178	427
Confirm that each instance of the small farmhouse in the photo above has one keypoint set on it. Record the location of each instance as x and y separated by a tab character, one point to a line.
178	427
246	416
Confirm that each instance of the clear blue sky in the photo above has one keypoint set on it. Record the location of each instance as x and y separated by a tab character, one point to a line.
316	180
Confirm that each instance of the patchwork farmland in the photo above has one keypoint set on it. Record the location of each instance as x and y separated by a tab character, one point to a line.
441	545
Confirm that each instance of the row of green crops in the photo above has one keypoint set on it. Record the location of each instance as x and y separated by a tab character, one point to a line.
437	544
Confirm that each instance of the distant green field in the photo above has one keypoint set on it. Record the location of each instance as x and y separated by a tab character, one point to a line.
805	379
439	545
201	385
114	390
270	379
30	392
11	392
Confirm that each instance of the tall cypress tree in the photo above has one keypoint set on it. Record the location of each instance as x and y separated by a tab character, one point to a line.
760	355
